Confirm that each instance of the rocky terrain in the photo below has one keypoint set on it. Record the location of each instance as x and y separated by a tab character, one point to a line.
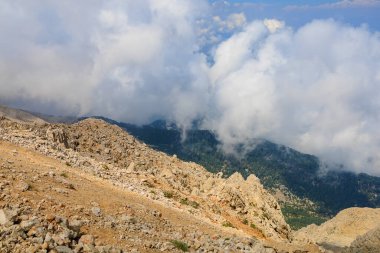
19	115
314	191
369	242
92	187
350	230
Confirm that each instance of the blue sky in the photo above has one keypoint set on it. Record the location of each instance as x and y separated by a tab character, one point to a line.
298	12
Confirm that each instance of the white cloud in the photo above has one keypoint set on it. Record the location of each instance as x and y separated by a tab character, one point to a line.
233	22
316	89
127	59
273	24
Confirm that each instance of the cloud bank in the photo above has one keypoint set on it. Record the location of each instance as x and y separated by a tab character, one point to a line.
316	89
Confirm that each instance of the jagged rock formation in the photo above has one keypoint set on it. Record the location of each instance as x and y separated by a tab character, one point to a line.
342	230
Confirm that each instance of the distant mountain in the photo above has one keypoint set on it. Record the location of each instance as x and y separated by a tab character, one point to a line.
277	166
19	115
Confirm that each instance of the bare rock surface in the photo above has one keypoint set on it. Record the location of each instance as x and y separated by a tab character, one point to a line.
369	242
342	230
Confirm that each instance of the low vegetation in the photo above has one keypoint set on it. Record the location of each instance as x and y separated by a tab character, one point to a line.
188	202
228	224
298	217
180	245
168	194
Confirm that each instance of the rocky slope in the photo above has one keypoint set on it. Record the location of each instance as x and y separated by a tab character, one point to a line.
47	205
348	228
19	115
125	195
318	192
369	242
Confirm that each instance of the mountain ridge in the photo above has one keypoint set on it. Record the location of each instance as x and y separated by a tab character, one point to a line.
108	190
277	166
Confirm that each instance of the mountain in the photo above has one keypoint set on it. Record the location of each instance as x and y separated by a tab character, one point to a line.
91	180
19	115
339	233
92	187
311	194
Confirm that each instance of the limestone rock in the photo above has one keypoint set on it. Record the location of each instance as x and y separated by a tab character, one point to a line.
8	216
96	211
343	229
369	242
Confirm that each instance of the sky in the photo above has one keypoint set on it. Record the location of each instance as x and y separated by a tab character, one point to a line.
305	74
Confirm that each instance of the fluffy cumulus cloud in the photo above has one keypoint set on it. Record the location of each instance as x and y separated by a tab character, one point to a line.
132	60
316	88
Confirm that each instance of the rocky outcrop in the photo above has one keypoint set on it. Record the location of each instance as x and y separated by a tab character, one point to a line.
248	200
369	242
342	230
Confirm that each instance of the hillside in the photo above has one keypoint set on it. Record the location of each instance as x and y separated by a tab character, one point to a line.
123	195
312	195
19	115
92	187
350	229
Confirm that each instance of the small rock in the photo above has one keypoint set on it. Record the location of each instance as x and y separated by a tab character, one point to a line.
131	167
96	211
87	239
7	217
63	249
75	225
27	225
23	186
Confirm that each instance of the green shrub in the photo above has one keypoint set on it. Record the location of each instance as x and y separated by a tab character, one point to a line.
168	194
188	202
64	174
245	222
227	224
180	245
